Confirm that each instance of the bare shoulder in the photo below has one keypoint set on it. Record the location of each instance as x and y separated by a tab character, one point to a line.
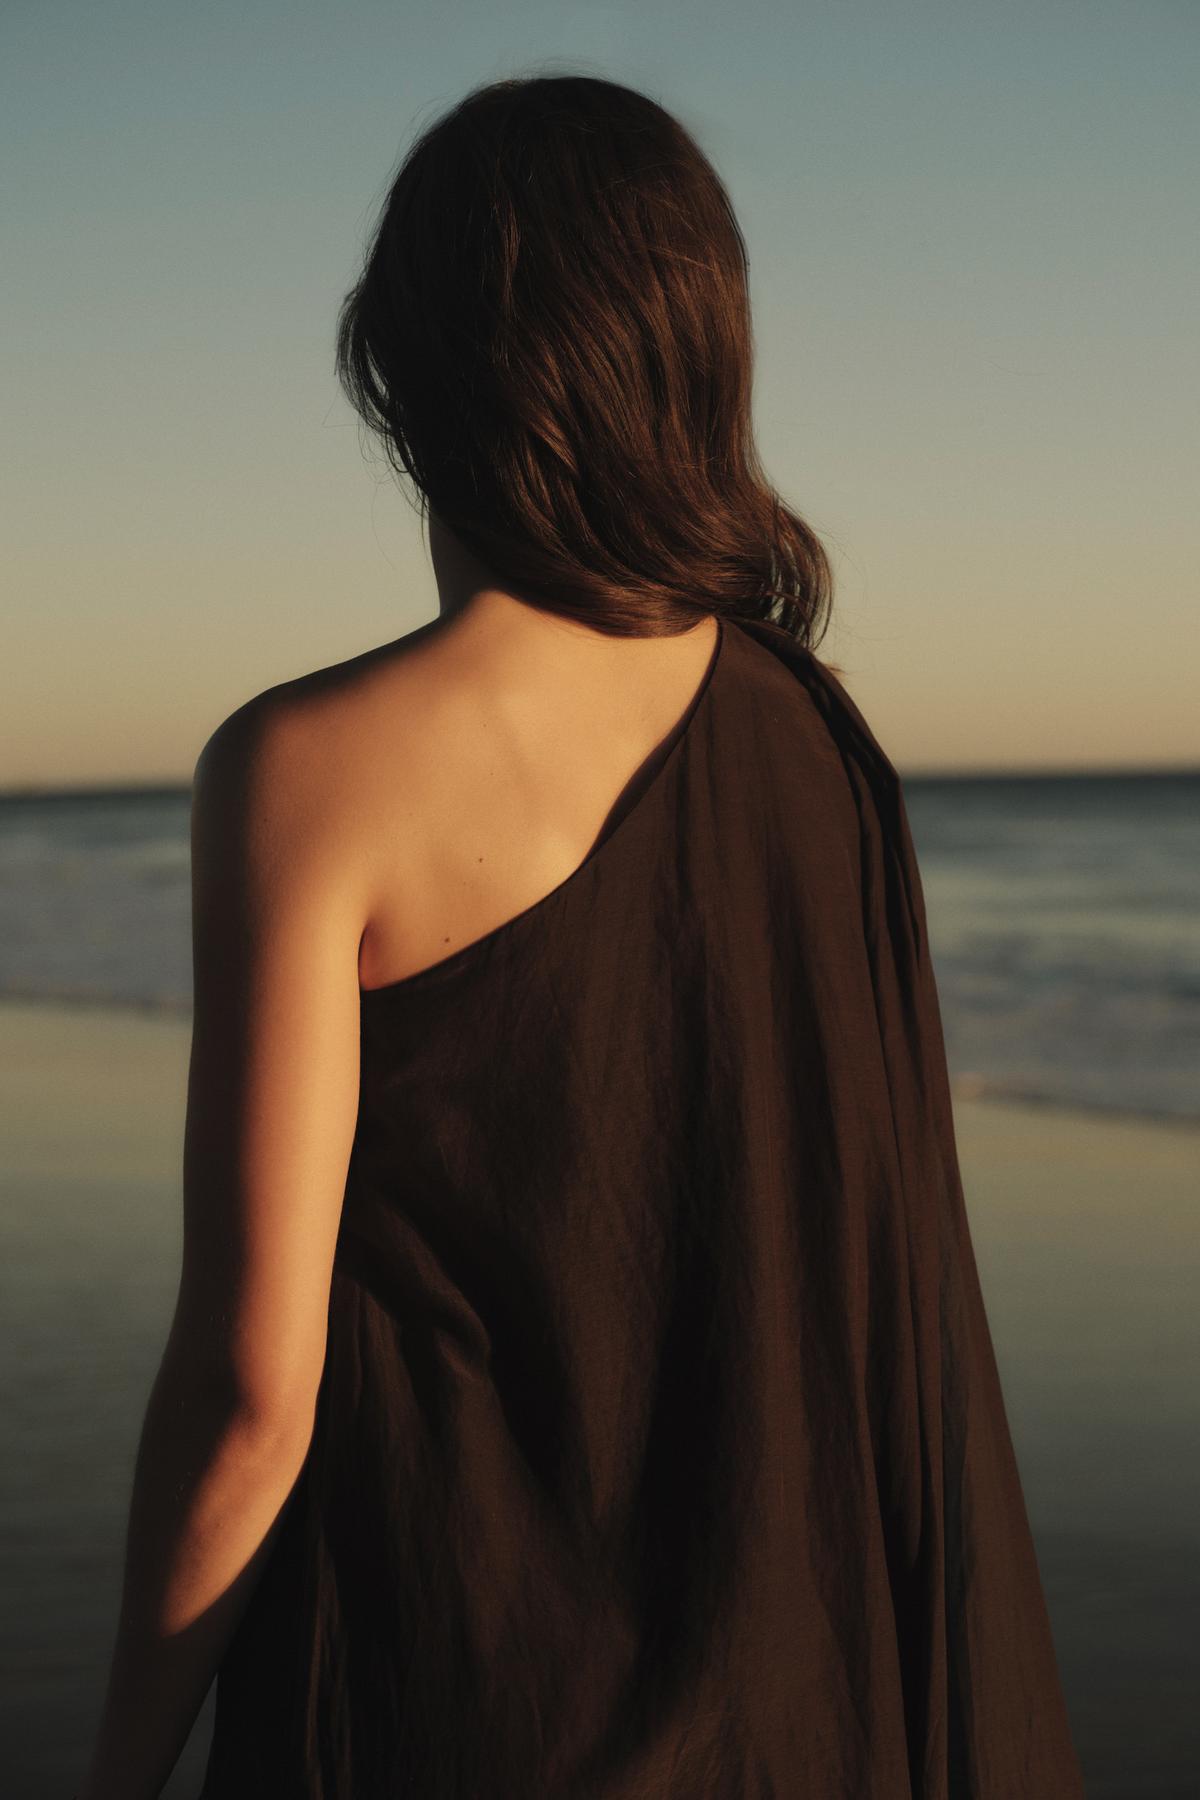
295	735
297	790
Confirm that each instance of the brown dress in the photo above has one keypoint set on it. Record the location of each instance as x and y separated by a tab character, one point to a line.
660	1450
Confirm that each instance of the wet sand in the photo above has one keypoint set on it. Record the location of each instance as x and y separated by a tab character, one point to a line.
1087	1235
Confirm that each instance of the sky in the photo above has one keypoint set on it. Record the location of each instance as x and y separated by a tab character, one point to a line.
974	252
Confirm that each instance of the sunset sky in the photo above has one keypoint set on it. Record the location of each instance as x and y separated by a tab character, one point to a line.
974	255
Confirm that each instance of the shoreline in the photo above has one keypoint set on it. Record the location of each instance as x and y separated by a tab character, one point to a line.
968	1090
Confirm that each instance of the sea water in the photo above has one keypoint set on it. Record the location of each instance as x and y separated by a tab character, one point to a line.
1063	915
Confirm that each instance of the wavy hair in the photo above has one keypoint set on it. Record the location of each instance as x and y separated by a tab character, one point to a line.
551	337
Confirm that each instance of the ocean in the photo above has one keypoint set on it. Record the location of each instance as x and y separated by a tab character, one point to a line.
1063	912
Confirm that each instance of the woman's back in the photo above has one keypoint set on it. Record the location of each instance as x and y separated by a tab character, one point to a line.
488	755
660	1449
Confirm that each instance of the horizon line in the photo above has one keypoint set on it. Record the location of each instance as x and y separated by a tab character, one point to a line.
136	788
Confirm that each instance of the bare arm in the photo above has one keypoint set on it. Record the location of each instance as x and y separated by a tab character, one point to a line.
271	1107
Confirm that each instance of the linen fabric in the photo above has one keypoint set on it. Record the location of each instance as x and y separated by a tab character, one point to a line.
661	1451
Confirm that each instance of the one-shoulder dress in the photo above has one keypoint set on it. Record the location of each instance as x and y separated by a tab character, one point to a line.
660	1451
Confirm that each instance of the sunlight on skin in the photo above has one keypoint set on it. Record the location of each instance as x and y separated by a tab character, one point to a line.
294	794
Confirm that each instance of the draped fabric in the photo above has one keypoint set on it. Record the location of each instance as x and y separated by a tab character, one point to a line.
661	1452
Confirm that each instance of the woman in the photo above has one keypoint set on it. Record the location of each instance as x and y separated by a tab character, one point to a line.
580	1384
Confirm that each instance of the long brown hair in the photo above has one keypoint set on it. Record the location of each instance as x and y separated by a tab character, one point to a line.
551	336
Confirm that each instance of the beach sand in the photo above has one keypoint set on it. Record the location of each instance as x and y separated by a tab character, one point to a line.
1087	1236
